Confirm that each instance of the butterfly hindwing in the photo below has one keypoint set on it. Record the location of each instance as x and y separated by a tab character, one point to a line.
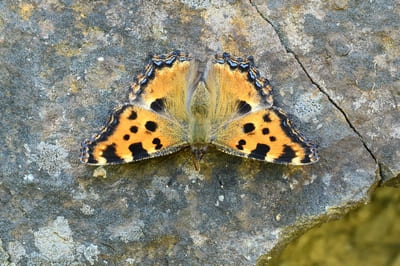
266	135
133	133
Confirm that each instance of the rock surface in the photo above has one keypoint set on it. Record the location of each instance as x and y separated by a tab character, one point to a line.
350	50
65	64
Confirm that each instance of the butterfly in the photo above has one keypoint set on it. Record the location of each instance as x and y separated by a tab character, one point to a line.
176	102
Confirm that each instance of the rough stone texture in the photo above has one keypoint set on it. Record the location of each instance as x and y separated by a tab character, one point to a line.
65	64
350	50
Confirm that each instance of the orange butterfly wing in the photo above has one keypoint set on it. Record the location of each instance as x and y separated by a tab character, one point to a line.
251	127
155	121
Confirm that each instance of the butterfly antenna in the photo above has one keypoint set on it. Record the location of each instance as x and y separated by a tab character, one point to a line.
196	163
197	154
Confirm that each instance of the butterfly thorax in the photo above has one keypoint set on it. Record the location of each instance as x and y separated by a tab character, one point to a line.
199	121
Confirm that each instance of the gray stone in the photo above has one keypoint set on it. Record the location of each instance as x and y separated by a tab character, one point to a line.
350	51
4	256
64	65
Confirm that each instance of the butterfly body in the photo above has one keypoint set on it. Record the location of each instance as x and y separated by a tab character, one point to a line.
174	104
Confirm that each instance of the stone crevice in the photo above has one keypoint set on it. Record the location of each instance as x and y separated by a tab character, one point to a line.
288	50
336	106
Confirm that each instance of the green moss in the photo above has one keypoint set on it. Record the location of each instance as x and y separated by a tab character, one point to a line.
369	235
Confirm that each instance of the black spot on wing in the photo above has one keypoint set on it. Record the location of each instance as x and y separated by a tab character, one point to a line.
133	115
137	151
243	107
110	155
259	152
157	142
266	118
272	138
126	137
158	105
265	131
151	126
91	159
287	155
248	127
240	144
134	129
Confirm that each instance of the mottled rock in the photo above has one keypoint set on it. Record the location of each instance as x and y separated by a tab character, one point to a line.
3	254
350	51
64	65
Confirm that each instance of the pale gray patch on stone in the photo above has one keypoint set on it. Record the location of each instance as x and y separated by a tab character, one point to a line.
46	29
308	106
87	209
206	4
29	178
326	179
82	194
247	244
55	240
3	255
51	158
130	261
197	4
198	238
161	184
90	253
193	175
16	251
395	132
128	232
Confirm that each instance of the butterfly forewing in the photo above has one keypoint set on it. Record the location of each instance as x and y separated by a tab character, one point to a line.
164	86
235	88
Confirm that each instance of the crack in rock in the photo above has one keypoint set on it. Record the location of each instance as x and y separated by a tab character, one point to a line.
288	50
